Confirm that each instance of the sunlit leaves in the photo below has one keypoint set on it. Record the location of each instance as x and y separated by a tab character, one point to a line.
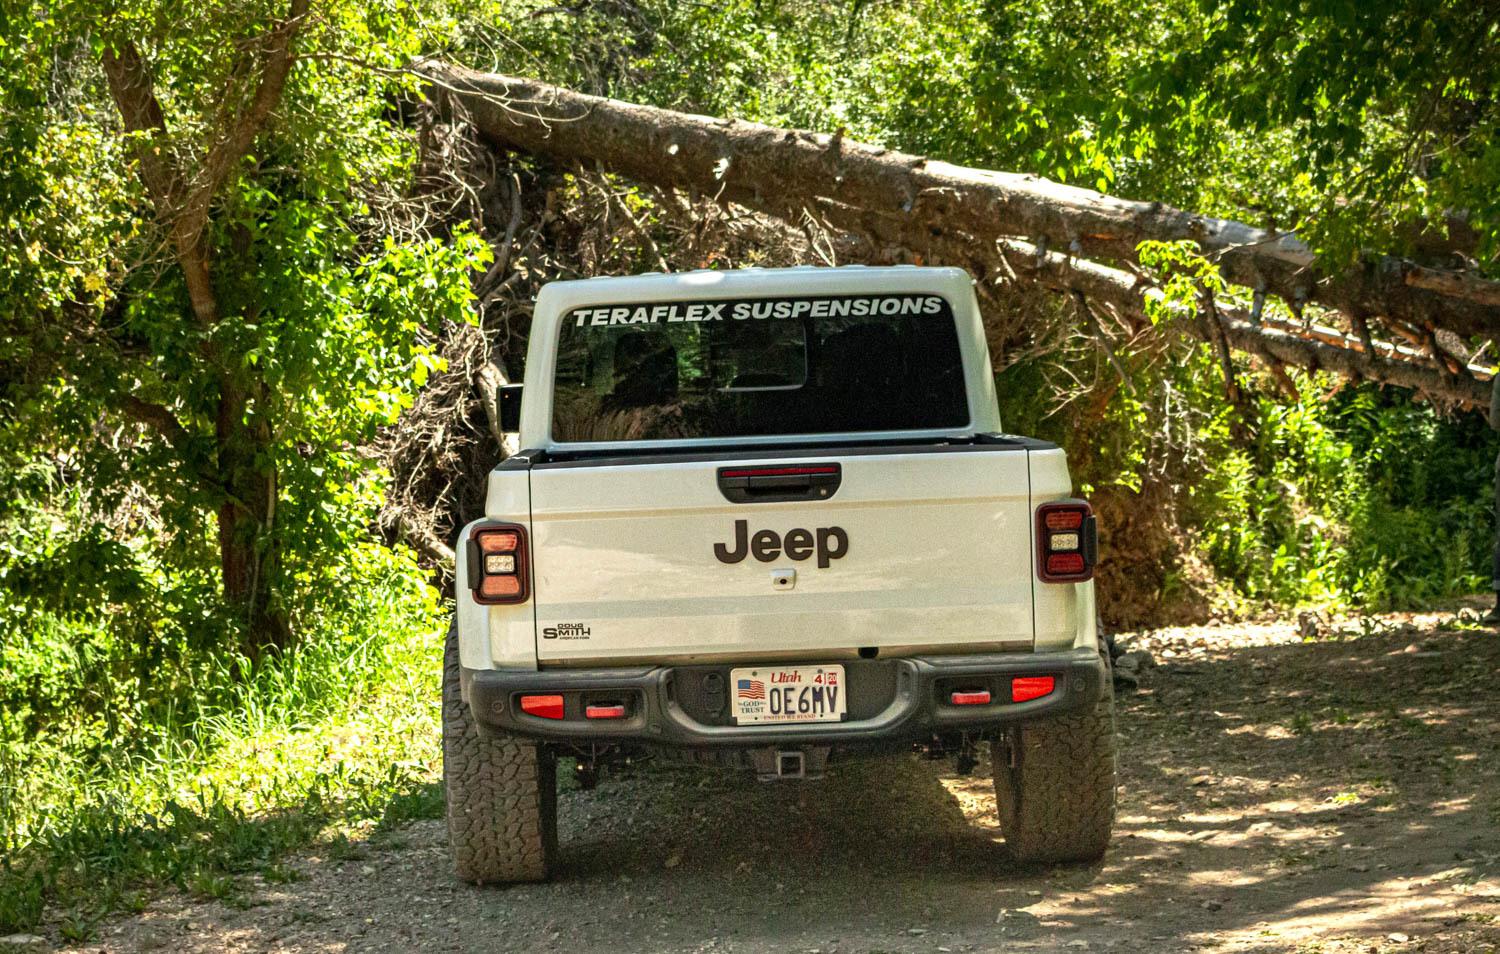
329	316
1183	274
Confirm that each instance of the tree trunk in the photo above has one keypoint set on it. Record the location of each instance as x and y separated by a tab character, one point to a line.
917	201
247	551
936	212
1285	345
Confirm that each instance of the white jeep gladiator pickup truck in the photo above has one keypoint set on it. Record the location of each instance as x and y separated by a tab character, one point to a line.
762	517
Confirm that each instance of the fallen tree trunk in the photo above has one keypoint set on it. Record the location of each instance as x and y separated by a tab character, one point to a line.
1283	345
923	202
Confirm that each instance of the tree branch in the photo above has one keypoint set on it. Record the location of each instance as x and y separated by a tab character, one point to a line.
160	419
183	205
488	380
425	542
134	92
1289	344
276	59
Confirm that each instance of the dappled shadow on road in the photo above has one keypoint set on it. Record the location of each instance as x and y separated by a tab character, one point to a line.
1276	796
1337	797
1271	796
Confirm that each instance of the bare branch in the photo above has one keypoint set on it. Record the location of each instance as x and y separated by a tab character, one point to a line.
1455	284
159	418
1096	330
1288	343
425	542
488	380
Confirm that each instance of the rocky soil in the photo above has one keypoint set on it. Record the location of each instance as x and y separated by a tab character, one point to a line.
1337	795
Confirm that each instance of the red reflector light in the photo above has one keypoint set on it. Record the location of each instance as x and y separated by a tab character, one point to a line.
1070	519
973	697
611	711
1026	688
545	707
1064	564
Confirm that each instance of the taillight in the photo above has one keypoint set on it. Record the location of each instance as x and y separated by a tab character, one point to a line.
1067	542
498	568
545	707
1026	688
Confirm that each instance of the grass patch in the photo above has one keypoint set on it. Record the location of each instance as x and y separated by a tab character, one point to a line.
320	745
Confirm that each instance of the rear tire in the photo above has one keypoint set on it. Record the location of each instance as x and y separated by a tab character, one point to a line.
1057	802
501	794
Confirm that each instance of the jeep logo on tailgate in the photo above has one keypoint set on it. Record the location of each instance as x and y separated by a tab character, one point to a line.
829	543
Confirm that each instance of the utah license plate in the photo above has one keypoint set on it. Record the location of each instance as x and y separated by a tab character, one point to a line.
788	694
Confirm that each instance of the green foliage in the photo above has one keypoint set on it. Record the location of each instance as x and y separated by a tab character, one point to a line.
1361	124
1390	105
139	739
173	764
1359	498
1350	497
322	318
1183	274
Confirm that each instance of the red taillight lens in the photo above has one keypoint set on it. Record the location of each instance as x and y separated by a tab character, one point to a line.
546	707
609	710
498	541
498	568
1063	518
498	589
1065	564
1066	542
971	697
1026	688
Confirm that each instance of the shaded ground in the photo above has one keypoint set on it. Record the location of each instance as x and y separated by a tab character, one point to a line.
1336	796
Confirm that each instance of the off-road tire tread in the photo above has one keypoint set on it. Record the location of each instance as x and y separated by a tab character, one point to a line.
1058	803
501	794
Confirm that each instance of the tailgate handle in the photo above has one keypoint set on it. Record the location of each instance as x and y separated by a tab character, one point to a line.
779	482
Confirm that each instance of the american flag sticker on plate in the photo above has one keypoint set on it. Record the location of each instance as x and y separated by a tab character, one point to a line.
750	689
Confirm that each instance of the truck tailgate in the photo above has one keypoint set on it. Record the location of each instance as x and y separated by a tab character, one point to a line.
936	551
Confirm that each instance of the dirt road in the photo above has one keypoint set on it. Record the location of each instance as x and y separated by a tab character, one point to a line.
1276	795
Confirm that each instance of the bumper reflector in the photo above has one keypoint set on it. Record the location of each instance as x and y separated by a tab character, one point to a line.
1026	688
546	707
972	697
609	711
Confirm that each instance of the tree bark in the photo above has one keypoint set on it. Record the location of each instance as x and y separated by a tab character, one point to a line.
247	523
925	202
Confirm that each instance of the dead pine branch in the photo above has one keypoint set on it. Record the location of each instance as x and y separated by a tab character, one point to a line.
1101	340
1213	331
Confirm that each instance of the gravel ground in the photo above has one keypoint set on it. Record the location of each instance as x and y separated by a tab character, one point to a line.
1276	795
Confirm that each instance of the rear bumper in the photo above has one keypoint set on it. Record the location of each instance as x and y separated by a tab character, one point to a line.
890	701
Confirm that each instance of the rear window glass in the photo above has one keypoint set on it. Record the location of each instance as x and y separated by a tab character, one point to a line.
761	367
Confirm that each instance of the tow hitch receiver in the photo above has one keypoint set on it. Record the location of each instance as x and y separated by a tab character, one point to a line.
774	764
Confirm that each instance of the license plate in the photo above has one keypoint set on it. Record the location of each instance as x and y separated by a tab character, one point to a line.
771	694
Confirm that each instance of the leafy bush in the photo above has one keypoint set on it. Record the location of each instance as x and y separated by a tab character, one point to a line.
137	747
